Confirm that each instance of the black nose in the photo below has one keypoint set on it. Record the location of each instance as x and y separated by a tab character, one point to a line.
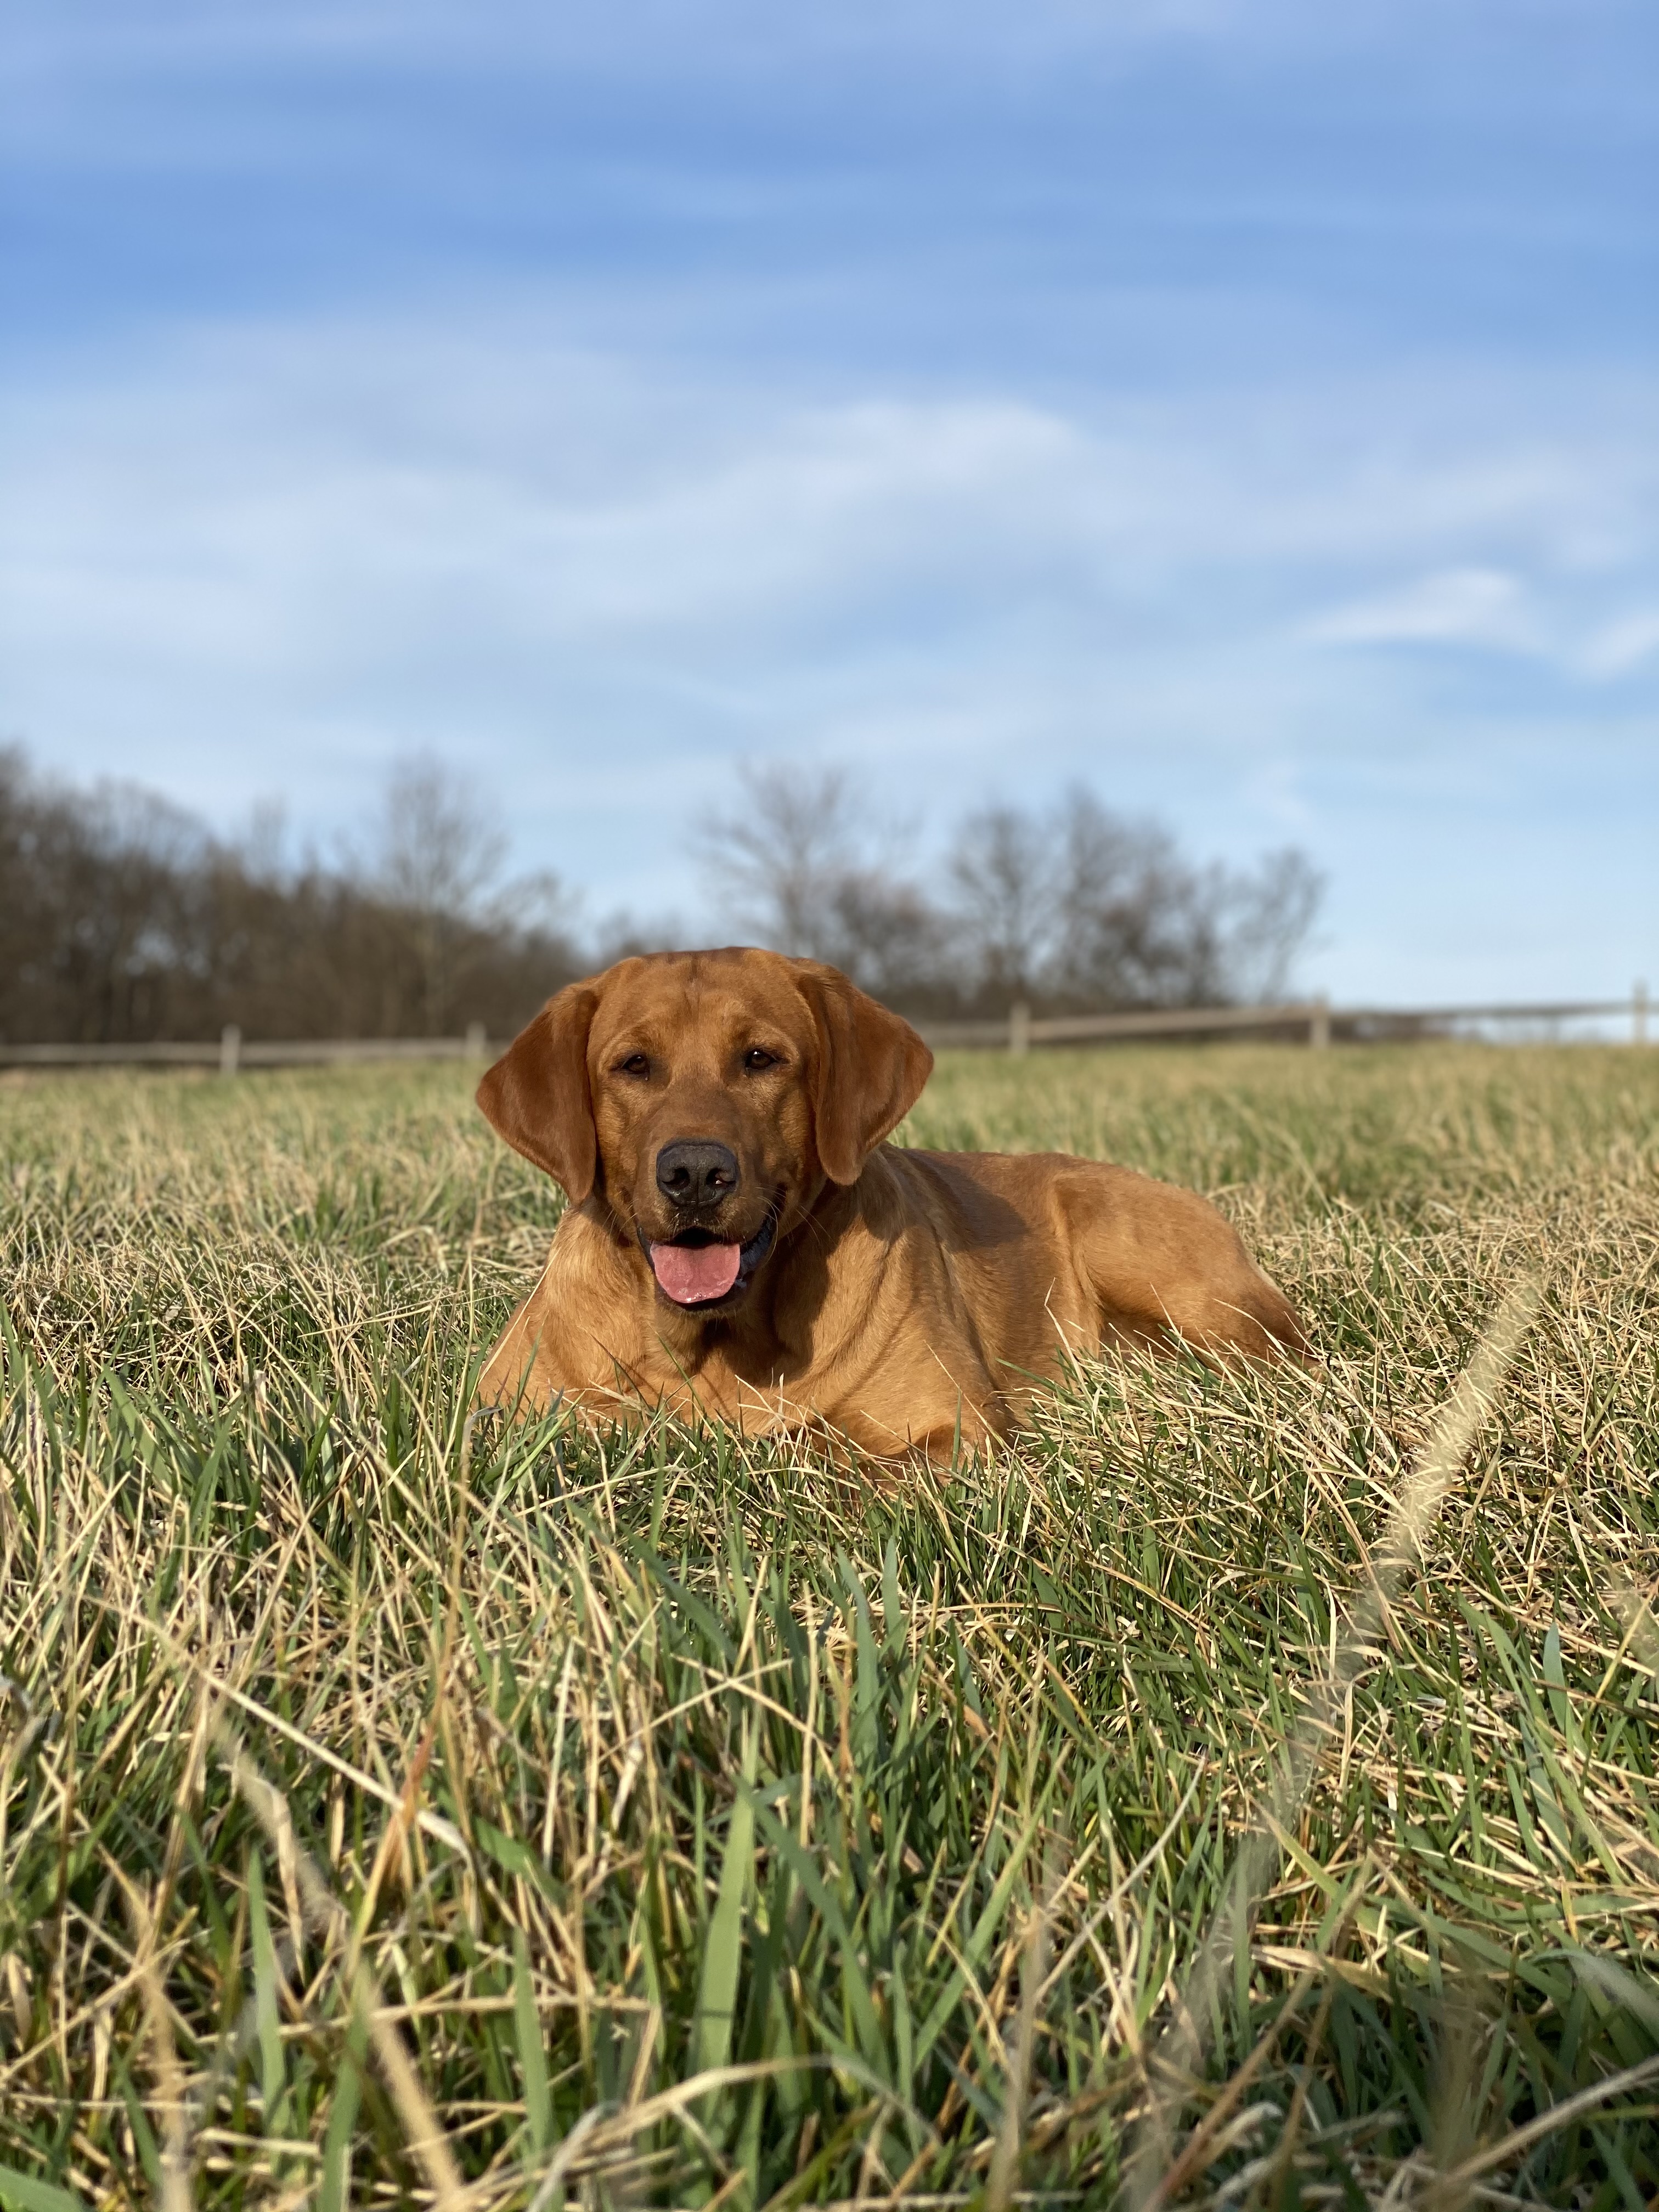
693	1172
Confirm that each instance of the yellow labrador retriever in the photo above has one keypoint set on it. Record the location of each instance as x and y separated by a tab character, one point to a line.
741	1238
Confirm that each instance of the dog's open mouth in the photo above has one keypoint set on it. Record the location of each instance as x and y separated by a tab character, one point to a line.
698	1269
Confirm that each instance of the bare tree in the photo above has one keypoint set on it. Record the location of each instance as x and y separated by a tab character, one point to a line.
1274	910
778	858
798	863
888	935
1137	925
123	918
1002	876
439	853
439	850
1088	907
97	906
622	935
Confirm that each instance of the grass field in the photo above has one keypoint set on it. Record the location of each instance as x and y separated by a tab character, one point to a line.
396	1808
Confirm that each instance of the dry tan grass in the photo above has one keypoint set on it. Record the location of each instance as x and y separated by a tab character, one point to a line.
392	1805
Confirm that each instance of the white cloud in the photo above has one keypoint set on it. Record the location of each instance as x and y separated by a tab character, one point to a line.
265	558
1623	645
276	498
1457	606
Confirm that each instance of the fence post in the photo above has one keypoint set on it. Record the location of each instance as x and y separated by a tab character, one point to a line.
1319	1023
1019	1027
1639	1014
475	1045
230	1048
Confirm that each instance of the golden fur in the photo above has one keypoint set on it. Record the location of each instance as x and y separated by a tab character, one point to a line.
908	1298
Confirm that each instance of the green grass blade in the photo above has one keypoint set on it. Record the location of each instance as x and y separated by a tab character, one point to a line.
22	2192
532	2055
334	2187
717	1988
273	2070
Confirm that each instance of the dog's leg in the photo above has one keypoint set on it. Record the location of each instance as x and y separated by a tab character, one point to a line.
1162	1262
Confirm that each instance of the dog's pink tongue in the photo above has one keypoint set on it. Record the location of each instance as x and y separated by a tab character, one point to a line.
688	1273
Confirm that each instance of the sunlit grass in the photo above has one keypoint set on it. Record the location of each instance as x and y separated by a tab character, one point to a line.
674	1819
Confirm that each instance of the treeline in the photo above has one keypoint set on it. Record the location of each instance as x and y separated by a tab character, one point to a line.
1070	908
123	919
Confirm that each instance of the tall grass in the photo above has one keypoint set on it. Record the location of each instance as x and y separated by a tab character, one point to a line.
395	1805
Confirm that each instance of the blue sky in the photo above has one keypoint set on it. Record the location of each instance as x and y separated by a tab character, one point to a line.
1251	409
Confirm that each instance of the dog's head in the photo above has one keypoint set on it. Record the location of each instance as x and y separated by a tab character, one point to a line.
706	1098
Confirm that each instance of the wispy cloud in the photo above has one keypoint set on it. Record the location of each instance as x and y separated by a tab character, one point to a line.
279	553
1623	645
1488	610
299	492
1457	606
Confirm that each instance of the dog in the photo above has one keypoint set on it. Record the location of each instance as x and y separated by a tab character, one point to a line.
742	1241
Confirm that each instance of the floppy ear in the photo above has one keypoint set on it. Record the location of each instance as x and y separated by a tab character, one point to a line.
536	1094
872	1066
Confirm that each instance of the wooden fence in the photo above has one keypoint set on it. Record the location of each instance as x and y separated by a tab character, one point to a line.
230	1052
1315	1022
1311	1021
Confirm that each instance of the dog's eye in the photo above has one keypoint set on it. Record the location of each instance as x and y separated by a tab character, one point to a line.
758	1057
635	1064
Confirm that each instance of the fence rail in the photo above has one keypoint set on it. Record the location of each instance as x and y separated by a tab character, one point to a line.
229	1052
1314	1020
1311	1020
